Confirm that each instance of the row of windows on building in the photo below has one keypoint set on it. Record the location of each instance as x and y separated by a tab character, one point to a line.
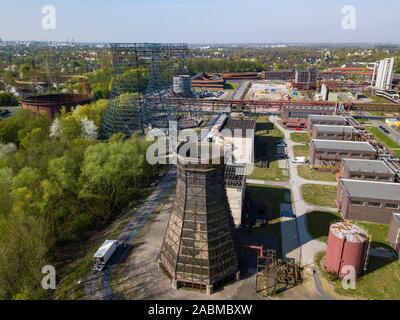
339	134
380	178
343	154
375	204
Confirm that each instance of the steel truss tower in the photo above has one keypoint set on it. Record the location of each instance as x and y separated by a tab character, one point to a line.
198	251
141	94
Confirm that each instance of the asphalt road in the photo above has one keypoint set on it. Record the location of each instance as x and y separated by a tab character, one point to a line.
394	135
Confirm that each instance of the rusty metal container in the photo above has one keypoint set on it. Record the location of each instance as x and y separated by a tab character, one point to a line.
347	246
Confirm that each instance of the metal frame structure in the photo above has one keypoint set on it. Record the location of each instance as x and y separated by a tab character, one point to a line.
144	99
198	251
272	272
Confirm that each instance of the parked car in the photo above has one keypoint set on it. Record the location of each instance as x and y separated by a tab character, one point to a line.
384	129
300	160
281	143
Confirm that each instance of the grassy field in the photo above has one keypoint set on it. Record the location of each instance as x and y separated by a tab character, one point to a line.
382	279
319	195
273	173
306	172
300	137
301	151
232	85
265	148
376	99
319	222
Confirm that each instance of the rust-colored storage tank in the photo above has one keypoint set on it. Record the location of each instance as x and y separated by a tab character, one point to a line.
347	246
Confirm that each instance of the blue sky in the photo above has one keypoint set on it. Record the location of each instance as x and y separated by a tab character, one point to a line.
202	21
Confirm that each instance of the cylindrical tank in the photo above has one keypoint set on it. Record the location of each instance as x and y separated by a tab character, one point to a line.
347	246
182	86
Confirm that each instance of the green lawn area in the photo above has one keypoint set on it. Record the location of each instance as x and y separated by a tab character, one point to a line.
273	173
383	138
301	151
382	279
376	99
319	222
306	172
232	85
267	135
300	137
319	195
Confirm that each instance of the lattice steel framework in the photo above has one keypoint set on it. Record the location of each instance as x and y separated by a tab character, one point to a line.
198	249
141	93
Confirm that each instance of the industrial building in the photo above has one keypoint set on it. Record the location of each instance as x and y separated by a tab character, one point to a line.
305	78
239	76
394	233
326	132
372	170
348	71
204	81
383	74
182	86
198	251
283	75
51	104
297	116
235	185
237	136
326	119
348	245
331	152
369	201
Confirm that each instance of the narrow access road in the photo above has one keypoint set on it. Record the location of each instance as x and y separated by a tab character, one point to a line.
97	284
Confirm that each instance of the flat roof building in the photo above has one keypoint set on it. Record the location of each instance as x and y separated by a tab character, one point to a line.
297	116
331	120
282	74
331	152
372	170
334	132
369	201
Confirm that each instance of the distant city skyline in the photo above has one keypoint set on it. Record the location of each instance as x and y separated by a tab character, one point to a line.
202	22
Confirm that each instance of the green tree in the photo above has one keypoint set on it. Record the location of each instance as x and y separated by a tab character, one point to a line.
111	174
6	177
23	251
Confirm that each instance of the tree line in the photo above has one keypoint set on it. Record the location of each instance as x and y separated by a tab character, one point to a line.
58	183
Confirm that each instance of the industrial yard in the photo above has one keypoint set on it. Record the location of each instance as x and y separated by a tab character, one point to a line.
309	206
274	91
200	173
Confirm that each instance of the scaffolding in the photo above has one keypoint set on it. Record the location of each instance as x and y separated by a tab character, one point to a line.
274	275
198	251
141	93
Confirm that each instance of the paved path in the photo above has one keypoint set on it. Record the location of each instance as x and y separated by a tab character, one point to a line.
318	285
284	184
301	246
97	284
393	134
